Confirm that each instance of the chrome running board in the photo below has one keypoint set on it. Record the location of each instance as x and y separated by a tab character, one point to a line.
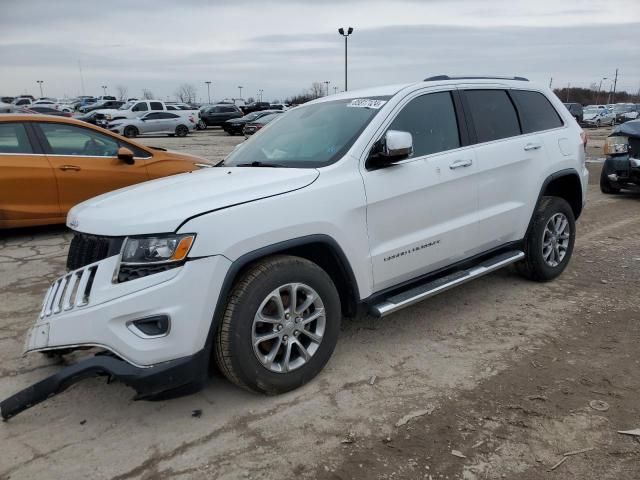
433	287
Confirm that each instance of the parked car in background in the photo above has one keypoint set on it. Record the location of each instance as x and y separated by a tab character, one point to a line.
236	126
256	107
279	106
596	116
621	167
252	127
91	117
139	108
216	115
44	110
625	112
156	123
105	104
6	99
575	109
49	164
21	102
104	98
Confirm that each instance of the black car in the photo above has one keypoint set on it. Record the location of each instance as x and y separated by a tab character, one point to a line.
97	106
236	126
216	115
252	127
575	109
621	168
256	107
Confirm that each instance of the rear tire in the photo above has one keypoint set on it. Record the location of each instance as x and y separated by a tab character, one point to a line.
605	184
549	243
130	132
299	341
182	131
202	125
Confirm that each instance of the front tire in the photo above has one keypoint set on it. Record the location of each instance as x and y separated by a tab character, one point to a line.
130	132
606	186
549	243
181	131
280	325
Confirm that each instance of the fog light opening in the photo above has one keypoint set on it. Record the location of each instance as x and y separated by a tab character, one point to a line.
151	327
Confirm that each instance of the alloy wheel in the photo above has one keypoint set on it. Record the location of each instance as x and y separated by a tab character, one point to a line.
555	239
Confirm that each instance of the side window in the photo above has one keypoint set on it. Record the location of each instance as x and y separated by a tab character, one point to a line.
170	115
536	113
431	120
71	140
156	106
140	107
13	138
171	107
153	116
493	114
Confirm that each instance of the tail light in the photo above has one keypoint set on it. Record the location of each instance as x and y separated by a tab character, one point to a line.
583	137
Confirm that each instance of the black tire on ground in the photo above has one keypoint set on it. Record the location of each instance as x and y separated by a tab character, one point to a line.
182	131
130	132
233	349
605	184
534	267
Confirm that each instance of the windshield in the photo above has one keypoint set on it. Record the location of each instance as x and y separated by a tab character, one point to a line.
308	136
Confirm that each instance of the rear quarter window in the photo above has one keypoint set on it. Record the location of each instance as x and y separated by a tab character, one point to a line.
493	114
13	138
536	112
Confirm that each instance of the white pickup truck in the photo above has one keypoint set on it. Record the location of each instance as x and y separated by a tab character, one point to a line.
138	108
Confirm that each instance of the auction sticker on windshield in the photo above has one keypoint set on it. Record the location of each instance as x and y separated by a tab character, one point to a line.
366	103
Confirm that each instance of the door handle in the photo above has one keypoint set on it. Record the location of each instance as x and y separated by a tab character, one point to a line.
532	146
460	164
69	167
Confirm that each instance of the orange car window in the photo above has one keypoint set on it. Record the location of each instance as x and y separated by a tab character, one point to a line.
13	138
71	140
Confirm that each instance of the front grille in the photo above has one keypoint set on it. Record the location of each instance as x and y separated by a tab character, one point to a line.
86	249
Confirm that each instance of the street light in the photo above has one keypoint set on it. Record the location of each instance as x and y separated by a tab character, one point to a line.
260	92
40	82
208	91
599	88
104	89
327	82
335	89
240	88
346	36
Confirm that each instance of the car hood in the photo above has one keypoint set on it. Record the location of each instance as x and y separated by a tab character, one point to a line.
162	205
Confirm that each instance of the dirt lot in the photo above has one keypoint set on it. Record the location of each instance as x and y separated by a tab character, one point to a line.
502	372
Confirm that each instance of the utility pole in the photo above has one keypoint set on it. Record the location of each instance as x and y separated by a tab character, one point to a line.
208	82
40	82
615	83
240	88
568	87
335	90
327	82
550	82
104	89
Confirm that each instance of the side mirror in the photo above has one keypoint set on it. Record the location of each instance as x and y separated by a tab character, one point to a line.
393	147
126	155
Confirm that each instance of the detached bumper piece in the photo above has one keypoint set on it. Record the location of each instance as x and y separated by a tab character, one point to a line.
166	380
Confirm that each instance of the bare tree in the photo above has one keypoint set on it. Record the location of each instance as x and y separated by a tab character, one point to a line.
147	94
186	93
317	90
251	100
122	92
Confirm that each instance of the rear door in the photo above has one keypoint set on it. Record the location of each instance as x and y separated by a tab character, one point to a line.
508	167
28	192
85	162
152	123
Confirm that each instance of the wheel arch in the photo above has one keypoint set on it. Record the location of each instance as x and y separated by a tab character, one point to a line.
321	249
565	184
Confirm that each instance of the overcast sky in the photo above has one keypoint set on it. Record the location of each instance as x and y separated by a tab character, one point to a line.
282	46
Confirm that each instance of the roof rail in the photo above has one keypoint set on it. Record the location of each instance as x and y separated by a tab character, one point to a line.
447	77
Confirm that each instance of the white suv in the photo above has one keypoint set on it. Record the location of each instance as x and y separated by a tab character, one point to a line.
377	198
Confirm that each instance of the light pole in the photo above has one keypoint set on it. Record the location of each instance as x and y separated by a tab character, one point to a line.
208	90
599	88
260	92
346	36
327	82
335	89
40	82
104	89
240	88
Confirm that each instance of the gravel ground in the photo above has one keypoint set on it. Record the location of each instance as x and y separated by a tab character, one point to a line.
495	379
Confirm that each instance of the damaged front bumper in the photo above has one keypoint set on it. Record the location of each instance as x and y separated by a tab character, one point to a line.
165	380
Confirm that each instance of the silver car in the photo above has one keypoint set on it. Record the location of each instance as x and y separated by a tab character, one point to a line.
154	123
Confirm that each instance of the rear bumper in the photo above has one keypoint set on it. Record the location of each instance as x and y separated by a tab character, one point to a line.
180	376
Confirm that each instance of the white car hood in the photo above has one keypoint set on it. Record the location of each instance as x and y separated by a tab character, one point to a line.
161	205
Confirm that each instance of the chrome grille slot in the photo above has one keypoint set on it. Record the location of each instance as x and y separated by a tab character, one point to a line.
57	300
68	292
46	299
52	297
70	296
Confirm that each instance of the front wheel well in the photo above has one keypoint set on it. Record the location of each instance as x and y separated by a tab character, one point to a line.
568	187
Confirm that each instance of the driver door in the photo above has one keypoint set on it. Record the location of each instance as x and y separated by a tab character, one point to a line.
85	162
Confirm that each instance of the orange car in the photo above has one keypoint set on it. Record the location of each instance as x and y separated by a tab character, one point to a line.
49	164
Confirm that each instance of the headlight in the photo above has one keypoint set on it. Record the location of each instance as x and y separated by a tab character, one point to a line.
143	256
107	116
616	145
156	249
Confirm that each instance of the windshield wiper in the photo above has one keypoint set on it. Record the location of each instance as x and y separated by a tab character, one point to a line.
261	164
